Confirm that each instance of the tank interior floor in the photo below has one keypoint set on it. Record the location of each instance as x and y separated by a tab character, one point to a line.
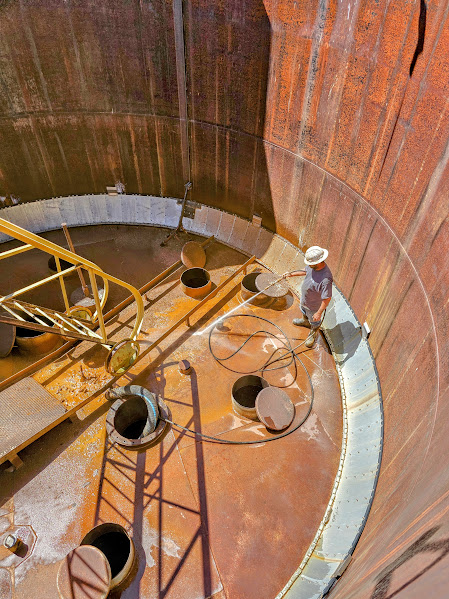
207	519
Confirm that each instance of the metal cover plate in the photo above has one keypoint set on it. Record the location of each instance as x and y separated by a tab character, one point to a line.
274	408
275	289
79	299
7	338
122	356
193	255
26	409
84	574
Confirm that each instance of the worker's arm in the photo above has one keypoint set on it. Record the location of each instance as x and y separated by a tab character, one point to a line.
319	313
294	273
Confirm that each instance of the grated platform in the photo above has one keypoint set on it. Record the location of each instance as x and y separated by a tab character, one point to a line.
26	409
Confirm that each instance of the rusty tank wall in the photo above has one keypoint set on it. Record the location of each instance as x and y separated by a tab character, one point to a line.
330	120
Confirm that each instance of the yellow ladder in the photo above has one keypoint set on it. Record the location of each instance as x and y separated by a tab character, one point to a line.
76	322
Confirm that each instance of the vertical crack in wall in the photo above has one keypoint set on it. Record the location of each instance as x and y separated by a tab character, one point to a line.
418	50
421	34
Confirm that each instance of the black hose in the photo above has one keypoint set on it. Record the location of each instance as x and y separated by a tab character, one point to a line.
289	351
264	367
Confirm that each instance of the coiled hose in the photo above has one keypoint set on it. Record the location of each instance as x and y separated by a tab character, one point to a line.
289	351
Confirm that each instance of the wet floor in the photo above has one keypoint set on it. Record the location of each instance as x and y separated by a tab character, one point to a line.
207	519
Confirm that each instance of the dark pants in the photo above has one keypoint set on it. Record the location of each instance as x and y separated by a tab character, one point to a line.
309	315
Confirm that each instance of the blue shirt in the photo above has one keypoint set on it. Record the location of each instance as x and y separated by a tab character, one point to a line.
316	287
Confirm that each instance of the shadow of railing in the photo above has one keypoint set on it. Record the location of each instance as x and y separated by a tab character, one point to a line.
130	511
422	545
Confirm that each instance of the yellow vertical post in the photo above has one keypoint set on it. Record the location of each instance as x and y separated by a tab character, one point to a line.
62	283
93	284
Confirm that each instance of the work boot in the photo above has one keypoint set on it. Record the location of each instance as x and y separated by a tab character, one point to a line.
310	341
301	322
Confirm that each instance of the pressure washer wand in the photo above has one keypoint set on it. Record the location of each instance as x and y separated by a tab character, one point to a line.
78	268
215	322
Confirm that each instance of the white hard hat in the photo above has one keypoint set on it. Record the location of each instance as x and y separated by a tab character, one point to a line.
315	255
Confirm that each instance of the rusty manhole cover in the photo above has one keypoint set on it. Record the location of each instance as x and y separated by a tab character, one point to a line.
193	255
84	574
274	408
266	282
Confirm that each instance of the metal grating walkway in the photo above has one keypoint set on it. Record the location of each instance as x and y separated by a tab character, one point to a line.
26	409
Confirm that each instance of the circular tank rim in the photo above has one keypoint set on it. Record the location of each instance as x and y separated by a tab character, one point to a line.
267	247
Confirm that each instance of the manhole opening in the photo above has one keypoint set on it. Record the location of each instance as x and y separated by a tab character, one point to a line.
29	333
249	282
246	389
137	419
195	278
131	418
112	540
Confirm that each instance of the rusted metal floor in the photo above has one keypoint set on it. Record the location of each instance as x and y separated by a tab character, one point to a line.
207	519
27	408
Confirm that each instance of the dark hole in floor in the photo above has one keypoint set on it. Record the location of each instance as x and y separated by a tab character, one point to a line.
195	277
249	282
116	547
131	418
197	282
246	396
135	429
23	332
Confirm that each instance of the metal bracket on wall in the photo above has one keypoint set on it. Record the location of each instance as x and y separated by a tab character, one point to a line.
189	208
76	321
180	228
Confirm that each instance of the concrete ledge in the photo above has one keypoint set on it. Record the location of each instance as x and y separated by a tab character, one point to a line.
361	455
361	452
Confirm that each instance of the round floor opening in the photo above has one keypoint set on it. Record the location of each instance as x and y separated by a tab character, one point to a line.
248	290
29	333
136	422
249	282
244	393
115	543
36	342
131	418
195	278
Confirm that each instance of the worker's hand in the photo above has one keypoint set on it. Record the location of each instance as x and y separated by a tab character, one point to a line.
295	273
316	317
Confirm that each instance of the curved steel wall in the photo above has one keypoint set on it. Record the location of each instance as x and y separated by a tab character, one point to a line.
330	120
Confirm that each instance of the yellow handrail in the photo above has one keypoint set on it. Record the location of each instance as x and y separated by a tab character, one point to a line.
33	240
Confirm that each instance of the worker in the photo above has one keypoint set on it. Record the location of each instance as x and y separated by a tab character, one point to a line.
316	291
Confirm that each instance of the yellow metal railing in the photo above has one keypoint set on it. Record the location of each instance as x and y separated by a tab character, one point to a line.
32	240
